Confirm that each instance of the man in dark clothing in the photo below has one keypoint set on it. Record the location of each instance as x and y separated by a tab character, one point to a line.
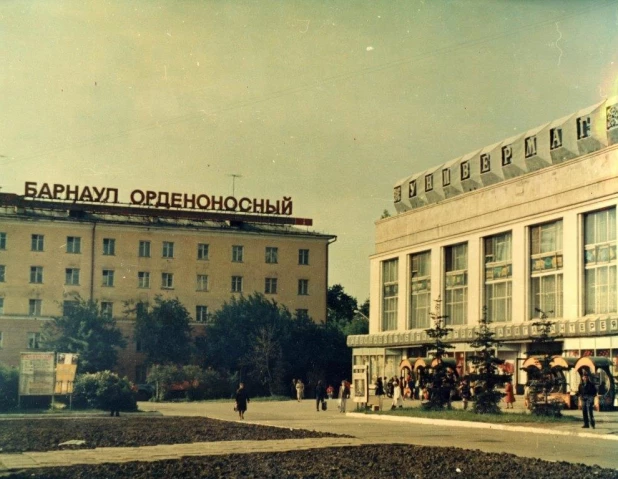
320	395
587	392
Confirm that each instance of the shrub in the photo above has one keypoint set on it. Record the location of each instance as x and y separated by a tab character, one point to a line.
9	385
189	382
104	390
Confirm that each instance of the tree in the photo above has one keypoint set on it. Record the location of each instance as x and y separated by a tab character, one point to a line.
249	335
84	329
163	330
543	346
437	376
485	376
341	306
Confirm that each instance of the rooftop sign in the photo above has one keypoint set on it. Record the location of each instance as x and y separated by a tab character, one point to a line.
584	132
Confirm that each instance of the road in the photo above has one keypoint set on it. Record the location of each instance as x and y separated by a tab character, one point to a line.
561	442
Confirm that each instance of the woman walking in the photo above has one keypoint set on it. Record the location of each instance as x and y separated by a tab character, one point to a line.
242	398
509	397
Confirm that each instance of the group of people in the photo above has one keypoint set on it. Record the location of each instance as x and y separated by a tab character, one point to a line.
448	386
322	393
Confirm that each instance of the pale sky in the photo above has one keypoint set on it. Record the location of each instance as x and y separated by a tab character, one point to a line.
329	102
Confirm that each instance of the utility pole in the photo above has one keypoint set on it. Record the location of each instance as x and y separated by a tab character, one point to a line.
234	176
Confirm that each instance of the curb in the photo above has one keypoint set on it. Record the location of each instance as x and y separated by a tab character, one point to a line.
484	425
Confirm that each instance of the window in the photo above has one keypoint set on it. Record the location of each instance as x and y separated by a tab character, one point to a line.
270	286
68	307
390	290
2	241
202	282
272	254
456	281
109	246
108	278
546	270
34	340
144	249
37	243
302	313
201	314
499	277
237	253
107	309
2	273
1	305
143	279
34	307
1	340
168	249
36	274
236	284
303	256
202	251
600	262
420	290
303	287
74	244
167	280
71	276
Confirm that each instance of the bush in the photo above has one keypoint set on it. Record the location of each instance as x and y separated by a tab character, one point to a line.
189	382
104	390
9	386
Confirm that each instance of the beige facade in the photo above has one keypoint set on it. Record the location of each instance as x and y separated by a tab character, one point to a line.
542	239
46	254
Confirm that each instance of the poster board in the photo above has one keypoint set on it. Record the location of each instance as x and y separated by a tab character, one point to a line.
36	374
66	369
360	383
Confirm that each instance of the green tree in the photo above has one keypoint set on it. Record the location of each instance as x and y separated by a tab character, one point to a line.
436	377
9	383
163	331
542	381
341	306
84	329
485	376
248	335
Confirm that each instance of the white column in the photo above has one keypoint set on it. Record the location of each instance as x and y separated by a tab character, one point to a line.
520	268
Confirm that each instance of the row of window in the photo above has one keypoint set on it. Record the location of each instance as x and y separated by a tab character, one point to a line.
72	278
33	340
107	308
546	275
73	245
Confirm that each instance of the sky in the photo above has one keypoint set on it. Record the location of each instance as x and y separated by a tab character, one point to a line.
327	102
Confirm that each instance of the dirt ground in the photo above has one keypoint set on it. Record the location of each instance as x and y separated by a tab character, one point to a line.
380	461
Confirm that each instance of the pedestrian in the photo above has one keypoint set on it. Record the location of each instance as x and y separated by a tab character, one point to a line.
344	394
397	401
242	398
587	392
464	392
329	391
448	388
389	387
293	389
300	390
509	397
379	391
320	395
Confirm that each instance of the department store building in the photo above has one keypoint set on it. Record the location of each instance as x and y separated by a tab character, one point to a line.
525	225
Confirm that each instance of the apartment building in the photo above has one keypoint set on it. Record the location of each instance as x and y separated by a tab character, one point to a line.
112	253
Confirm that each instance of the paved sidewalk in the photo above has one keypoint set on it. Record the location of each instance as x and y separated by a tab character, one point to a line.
554	442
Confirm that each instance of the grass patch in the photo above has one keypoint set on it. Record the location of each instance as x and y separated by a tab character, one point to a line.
461	415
